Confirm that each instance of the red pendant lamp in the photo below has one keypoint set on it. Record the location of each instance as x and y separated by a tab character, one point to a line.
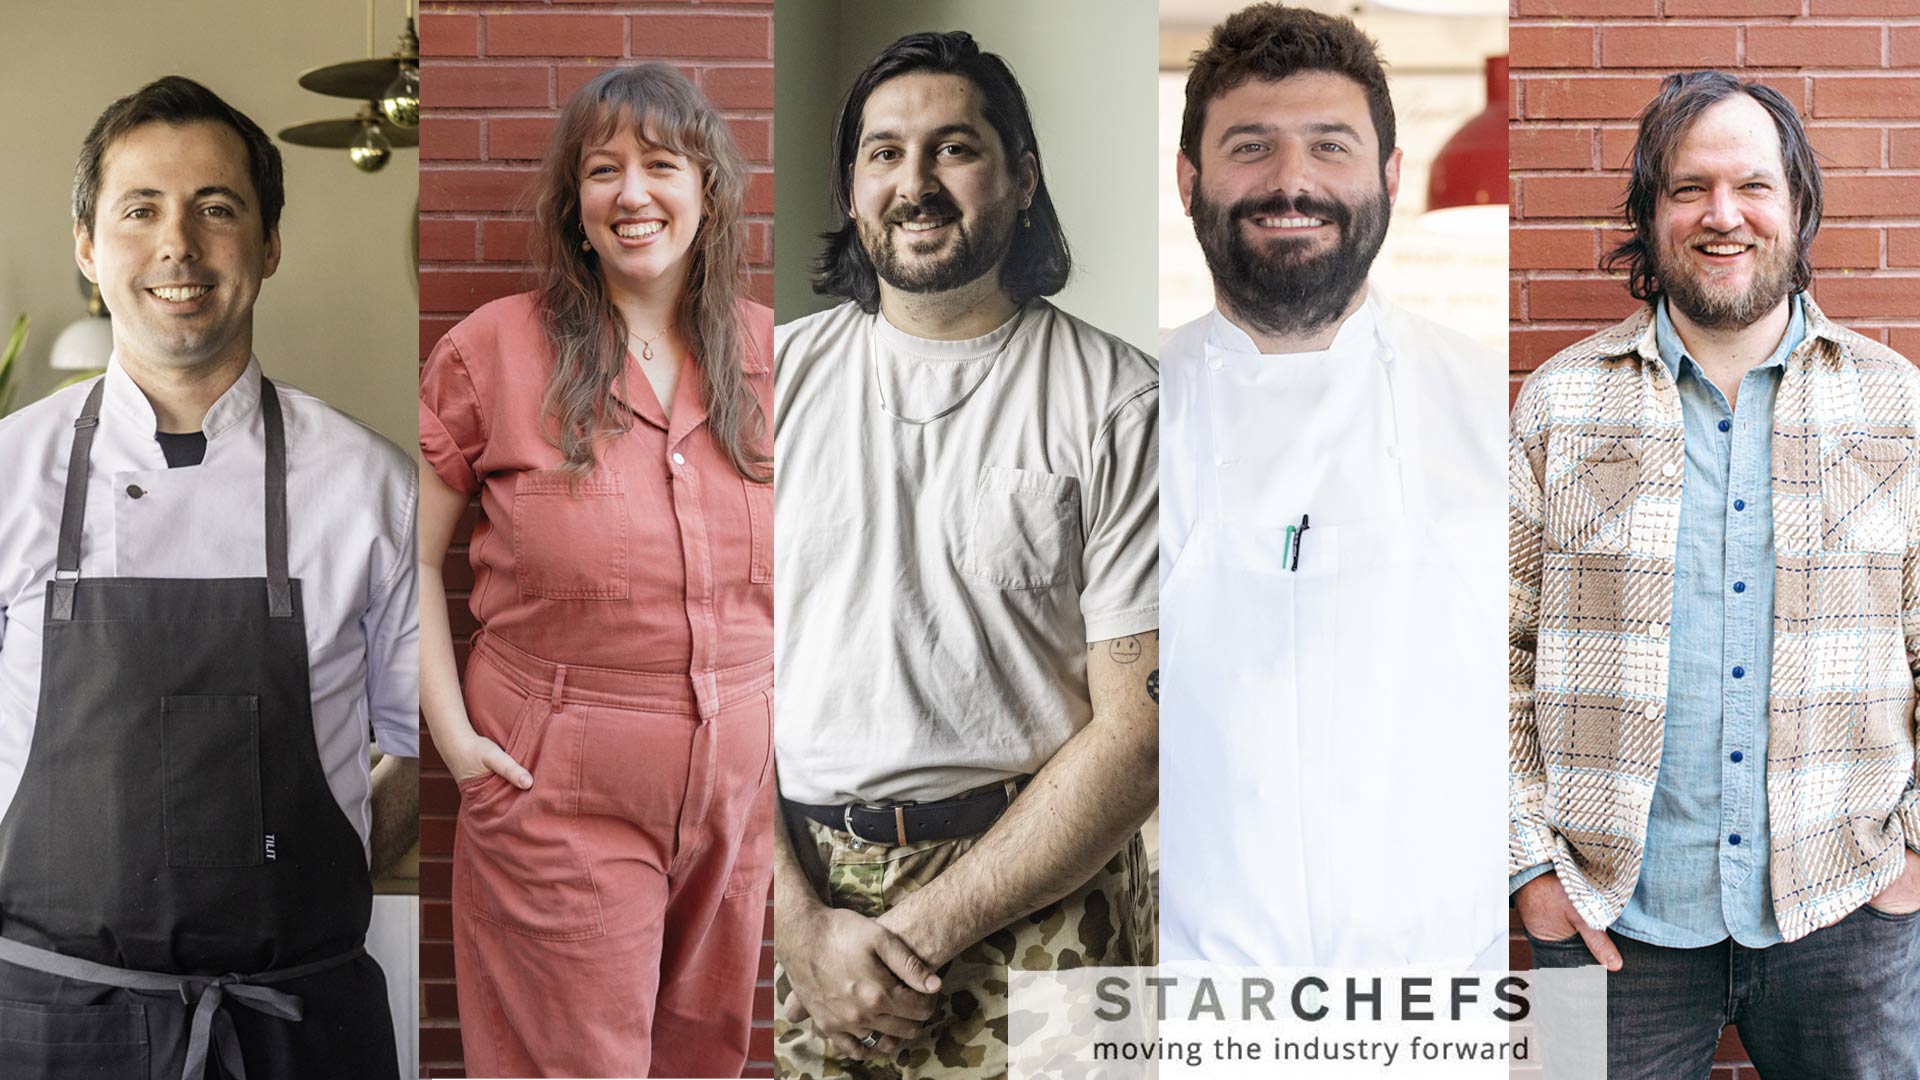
1471	169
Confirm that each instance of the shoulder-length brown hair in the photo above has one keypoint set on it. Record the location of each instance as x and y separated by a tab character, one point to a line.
588	334
1683	97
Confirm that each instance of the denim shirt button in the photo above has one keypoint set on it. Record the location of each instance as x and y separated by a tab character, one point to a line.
1734	839
1739	586
1739	504
1739	672
1738	757
1726	425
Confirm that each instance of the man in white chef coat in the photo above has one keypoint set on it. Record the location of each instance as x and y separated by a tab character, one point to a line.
1330	544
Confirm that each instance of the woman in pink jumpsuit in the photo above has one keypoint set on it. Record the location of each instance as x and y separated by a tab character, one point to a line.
612	740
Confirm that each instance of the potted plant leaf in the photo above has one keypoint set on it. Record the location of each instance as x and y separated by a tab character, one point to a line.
9	380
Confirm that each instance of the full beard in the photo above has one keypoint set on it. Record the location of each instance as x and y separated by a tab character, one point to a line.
1721	308
976	248
1275	285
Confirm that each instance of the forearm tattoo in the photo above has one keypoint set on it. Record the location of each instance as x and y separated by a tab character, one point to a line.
1153	685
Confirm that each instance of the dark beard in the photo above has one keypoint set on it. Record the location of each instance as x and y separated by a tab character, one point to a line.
1279	289
1772	283
974	252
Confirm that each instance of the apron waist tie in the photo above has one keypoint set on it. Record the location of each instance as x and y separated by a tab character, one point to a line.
212	1028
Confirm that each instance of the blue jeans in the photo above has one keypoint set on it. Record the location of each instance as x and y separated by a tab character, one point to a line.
1842	1003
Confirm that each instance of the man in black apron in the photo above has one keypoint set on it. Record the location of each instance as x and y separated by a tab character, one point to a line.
181	895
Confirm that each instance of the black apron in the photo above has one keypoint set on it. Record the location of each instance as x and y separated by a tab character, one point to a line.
178	885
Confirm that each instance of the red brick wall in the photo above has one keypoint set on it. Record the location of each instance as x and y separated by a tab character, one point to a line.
493	77
1583	69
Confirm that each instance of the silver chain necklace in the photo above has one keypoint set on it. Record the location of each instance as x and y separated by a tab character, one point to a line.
873	350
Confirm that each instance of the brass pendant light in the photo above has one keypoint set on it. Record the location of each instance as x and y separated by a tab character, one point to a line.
388	87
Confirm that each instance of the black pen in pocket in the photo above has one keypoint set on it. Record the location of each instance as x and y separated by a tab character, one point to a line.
1298	538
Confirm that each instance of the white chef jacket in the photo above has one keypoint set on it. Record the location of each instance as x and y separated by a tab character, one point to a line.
1332	749
351	503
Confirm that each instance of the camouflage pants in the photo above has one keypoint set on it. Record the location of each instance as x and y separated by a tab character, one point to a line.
1109	921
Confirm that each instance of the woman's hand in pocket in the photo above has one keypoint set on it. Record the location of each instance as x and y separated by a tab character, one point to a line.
476	755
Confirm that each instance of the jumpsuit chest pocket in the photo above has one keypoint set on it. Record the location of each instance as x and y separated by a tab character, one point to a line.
1866	495
1024	530
1591	484
570	540
210	775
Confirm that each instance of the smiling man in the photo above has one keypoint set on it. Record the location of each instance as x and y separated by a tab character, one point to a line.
1329	541
967	622
1715	569
207	600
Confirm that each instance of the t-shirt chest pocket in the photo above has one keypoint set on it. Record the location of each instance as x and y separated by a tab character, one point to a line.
1024	528
1591	484
1866	494
570	541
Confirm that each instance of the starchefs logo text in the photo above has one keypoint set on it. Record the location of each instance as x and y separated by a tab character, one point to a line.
1203	1020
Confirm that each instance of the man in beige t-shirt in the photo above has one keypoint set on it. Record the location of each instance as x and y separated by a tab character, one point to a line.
966	619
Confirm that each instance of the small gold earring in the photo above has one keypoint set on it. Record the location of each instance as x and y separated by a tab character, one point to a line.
1026	219
585	244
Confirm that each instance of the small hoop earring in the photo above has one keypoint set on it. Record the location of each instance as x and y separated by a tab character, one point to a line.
1026	219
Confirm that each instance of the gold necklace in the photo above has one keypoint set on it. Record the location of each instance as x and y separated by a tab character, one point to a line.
646	343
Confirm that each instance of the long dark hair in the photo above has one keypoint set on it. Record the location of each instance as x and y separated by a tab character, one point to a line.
1682	98
588	334
1038	264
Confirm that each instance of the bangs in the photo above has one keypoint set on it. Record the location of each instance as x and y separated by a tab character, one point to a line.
652	121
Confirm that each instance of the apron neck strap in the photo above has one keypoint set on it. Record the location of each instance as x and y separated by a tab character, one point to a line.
73	514
279	592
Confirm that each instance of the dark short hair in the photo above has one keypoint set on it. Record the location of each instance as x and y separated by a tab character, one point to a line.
177	100
1267	41
1682	98
1038	263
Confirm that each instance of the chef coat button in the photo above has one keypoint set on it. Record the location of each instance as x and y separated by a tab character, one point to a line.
1393	451
134	491
678	460
1670	470
1214	363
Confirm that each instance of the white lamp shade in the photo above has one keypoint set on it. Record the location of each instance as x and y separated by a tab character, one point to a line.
84	346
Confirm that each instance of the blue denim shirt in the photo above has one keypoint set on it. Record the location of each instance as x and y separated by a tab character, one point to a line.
1705	876
1698	884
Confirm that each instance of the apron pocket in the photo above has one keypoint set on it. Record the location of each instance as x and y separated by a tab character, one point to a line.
210	769
71	1042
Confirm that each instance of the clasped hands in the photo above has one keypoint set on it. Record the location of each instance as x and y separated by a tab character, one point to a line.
854	977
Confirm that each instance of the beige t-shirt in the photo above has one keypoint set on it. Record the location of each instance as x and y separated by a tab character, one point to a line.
939	582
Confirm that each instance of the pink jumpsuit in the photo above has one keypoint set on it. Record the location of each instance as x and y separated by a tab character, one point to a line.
607	922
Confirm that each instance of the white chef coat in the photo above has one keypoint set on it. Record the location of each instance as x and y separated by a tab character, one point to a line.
351	503
1332	749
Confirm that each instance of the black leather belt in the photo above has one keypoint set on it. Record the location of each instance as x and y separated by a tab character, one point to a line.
909	822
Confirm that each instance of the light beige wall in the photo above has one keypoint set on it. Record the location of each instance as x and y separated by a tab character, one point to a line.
339	319
1088	69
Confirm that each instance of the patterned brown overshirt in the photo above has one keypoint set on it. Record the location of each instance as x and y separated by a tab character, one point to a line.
1596	459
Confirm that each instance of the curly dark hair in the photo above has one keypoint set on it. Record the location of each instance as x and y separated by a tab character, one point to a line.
1682	98
1038	264
1268	41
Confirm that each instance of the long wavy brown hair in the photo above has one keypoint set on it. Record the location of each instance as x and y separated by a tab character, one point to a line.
588	334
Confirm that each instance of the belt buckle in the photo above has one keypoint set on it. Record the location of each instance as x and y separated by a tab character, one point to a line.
899	837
